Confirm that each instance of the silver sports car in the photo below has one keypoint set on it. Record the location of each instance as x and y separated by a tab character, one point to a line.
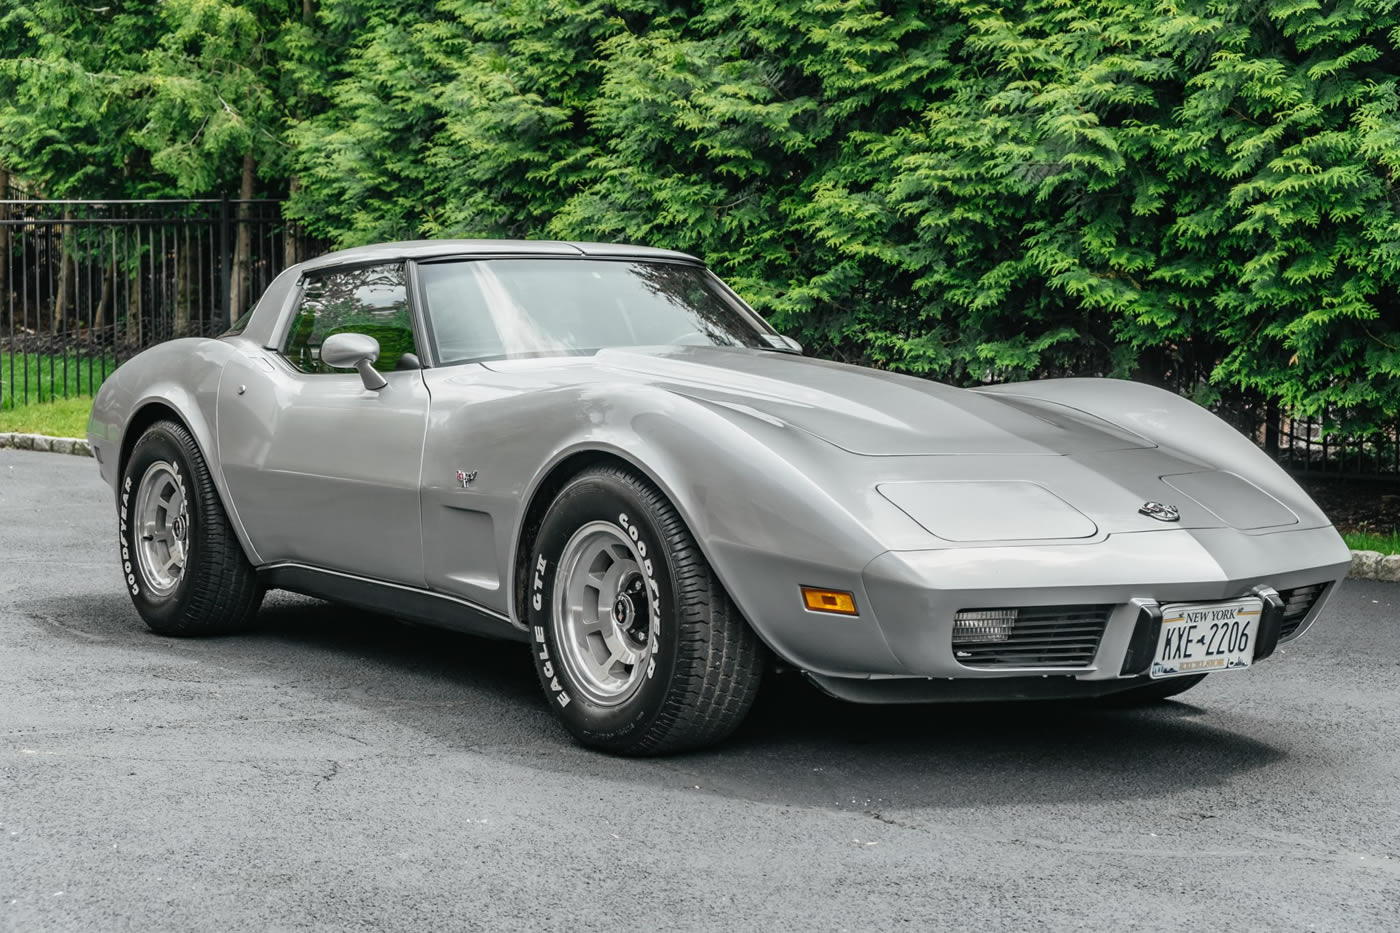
603	452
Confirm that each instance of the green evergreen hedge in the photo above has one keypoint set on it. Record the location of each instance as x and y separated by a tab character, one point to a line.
1200	193
965	190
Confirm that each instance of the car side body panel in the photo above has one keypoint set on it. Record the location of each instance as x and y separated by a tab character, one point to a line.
325	471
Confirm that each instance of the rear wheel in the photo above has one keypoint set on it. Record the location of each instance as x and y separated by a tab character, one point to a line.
182	563
639	649
1154	692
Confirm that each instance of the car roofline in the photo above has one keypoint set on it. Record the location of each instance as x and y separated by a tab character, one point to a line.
275	306
442	249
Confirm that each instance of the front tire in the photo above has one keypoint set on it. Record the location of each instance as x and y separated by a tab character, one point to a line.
182	563
639	649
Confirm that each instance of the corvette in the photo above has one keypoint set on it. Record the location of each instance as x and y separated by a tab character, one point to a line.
601	451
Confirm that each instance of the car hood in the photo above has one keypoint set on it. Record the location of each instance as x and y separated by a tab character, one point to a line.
869	412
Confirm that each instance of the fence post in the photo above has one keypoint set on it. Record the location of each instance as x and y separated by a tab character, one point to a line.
1271	428
4	235
225	276
6	301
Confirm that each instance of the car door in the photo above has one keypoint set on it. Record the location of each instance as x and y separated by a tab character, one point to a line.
322	470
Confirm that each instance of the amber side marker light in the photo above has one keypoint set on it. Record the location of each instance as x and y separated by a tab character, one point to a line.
837	601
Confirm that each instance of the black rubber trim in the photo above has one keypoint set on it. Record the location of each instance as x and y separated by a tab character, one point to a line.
1138	658
1270	622
393	599
896	690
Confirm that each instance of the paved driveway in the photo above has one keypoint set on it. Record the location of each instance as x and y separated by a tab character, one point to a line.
340	771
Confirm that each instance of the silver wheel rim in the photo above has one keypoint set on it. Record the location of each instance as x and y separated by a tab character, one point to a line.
162	528
602	613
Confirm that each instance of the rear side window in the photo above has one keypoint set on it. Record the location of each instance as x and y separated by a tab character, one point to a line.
240	325
370	300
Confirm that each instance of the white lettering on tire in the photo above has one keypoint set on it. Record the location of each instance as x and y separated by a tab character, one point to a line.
122	536
561	696
537	600
123	526
652	587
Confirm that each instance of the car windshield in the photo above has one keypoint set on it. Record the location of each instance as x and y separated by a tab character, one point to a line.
502	308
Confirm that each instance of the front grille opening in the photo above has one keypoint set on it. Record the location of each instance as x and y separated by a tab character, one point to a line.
1029	636
1297	603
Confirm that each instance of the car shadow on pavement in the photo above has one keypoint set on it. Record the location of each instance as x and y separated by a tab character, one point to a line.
974	754
798	746
803	748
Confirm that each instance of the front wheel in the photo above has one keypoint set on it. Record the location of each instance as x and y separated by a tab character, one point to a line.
639	649
182	563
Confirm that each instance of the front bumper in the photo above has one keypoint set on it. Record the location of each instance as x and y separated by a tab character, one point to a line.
908	600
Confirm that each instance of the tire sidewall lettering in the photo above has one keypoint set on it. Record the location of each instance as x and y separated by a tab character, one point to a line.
123	533
536	598
123	529
653	589
545	664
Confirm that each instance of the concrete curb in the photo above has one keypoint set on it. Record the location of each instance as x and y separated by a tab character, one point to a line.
1365	565
1373	565
58	445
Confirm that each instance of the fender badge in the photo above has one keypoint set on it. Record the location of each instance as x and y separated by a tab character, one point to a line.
465	478
1163	513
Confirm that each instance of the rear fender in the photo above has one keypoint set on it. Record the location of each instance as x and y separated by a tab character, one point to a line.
181	377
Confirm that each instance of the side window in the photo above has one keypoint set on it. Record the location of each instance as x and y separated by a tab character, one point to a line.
240	325
370	300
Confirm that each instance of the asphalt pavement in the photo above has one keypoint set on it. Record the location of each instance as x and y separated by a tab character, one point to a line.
341	771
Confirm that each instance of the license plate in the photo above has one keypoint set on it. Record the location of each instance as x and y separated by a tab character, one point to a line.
1198	638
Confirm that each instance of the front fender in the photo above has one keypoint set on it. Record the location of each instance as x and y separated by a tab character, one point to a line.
764	521
772	509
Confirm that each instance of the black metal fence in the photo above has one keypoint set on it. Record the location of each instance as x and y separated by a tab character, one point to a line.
86	284
1303	446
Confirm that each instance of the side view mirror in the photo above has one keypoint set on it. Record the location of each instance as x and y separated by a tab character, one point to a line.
354	351
792	344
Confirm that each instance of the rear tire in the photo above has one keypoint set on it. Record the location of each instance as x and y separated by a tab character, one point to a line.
182	563
639	649
1154	692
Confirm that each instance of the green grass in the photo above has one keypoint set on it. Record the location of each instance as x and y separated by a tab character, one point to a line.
1368	541
64	418
29	378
